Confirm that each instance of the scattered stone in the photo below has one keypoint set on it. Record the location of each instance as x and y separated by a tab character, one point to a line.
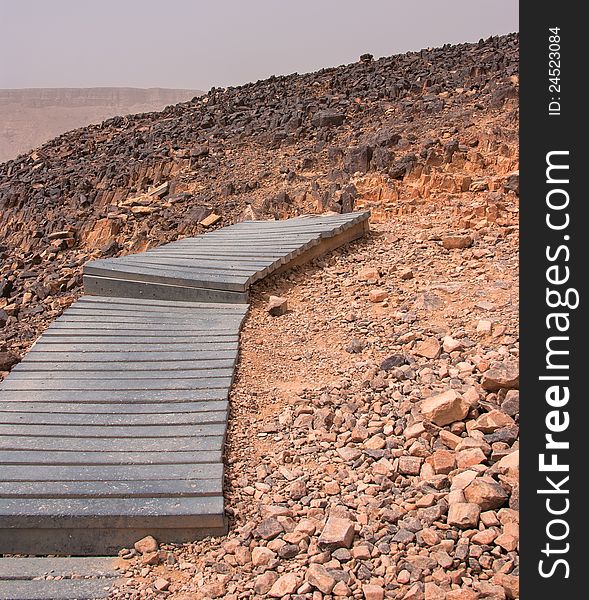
510	583
464	515
462	594
318	576
444	408
410	465
355	346
442	461
488	494
451	345
377	295
501	376
373	592
393	361
369	274
269	528
493	420
277	306
8	360
325	118
211	220
215	589
510	406
262	556
161	584
457	242
284	585
146	545
337	533
264	582
484	326
428	348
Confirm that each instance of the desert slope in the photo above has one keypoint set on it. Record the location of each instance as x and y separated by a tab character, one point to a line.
30	117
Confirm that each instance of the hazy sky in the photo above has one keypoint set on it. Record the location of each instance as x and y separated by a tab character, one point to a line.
197	44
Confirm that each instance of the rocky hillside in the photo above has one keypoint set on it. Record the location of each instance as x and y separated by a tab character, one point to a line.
419	131
30	117
373	443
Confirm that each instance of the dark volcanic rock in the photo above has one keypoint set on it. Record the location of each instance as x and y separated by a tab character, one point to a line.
327	118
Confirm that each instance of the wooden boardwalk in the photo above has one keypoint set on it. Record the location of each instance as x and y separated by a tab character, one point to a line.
79	578
220	266
113	425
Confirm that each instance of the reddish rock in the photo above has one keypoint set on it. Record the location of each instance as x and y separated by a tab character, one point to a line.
369	274
146	545
269	528
318	576
337	533
444	408
510	583
464	515
462	594
372	592
277	306
264	582
102	233
284	585
457	242
488	494
377	295
470	457
442	461
410	465
501	375
150	558
493	420
161	584
428	348
216	589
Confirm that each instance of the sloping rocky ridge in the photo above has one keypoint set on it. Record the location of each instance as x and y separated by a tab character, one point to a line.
419	131
32	116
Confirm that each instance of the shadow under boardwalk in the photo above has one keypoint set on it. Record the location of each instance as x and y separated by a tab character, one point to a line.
113	426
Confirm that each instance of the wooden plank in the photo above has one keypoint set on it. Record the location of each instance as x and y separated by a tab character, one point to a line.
114	337
37	354
78	326
127	473
90	377
64	589
191	271
122	457
114	396
89	408
126	370
196	279
114	431
103	286
99	445
55	418
13	568
82	346
147	488
129	384
188	307
208	263
34	512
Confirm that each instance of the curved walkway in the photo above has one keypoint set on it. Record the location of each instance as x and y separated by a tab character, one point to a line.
113	425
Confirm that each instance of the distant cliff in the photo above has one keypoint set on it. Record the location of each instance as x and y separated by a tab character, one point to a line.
30	117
